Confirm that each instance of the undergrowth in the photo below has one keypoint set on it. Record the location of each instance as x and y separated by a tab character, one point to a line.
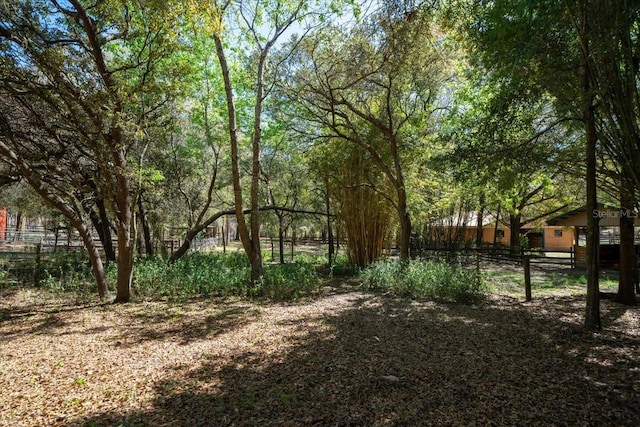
216	274
424	279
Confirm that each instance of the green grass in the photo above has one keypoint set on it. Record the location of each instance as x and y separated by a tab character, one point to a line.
217	274
543	283
424	279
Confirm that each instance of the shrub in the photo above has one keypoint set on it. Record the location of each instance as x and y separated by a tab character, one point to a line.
65	272
420	278
193	274
342	267
282	282
216	274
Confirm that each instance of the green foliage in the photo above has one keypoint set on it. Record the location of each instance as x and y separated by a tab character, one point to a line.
421	278
67	272
68	264
195	274
5	280
59	272
217	274
284	282
342	267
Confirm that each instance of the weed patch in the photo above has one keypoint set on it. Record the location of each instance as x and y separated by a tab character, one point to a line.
422	278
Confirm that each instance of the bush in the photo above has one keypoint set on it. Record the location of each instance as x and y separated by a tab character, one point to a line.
282	282
217	274
420	278
67	272
193	274
341	267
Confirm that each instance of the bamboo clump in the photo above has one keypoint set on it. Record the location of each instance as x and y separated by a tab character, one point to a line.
364	214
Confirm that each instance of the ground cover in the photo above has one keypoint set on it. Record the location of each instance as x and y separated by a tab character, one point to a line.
344	357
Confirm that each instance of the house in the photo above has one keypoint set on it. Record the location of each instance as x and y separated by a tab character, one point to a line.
464	228
609	231
550	237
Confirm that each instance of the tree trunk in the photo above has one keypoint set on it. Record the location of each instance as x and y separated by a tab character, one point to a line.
626	294
225	235
146	231
281	237
18	223
330	254
495	230
123	211
125	264
592	315
107	243
255	258
405	236
405	221
515	224
191	234
100	221
479	220
185	246
97	267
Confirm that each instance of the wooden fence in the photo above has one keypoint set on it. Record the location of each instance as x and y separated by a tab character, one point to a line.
505	255
501	254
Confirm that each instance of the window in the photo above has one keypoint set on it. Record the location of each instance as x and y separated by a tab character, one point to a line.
499	234
557	233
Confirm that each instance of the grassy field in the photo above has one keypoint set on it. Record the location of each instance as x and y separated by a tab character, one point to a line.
509	280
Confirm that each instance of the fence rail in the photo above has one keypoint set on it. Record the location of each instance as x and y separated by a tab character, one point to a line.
501	254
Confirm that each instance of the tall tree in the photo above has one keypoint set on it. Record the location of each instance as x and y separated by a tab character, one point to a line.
544	46
261	24
375	87
614	62
511	147
75	73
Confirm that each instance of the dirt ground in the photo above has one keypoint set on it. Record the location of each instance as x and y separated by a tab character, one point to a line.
344	358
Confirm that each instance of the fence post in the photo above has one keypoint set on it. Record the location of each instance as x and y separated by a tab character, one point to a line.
36	268
572	255
527	278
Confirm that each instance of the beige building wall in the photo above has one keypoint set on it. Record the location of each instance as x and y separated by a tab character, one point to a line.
558	238
488	234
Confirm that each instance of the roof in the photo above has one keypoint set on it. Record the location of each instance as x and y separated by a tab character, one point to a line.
562	218
468	219
609	216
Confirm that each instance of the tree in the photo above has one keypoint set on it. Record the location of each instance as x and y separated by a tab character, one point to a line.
545	47
381	102
20	133
264	23
283	172
192	154
79	86
614	66
514	150
362	212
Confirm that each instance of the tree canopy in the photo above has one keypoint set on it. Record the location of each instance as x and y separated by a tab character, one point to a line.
140	122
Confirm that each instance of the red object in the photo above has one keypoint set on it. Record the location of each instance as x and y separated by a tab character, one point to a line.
3	223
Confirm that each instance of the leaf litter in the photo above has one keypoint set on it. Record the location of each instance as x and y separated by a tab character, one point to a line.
340	359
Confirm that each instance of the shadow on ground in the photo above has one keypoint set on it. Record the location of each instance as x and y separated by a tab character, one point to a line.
385	361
